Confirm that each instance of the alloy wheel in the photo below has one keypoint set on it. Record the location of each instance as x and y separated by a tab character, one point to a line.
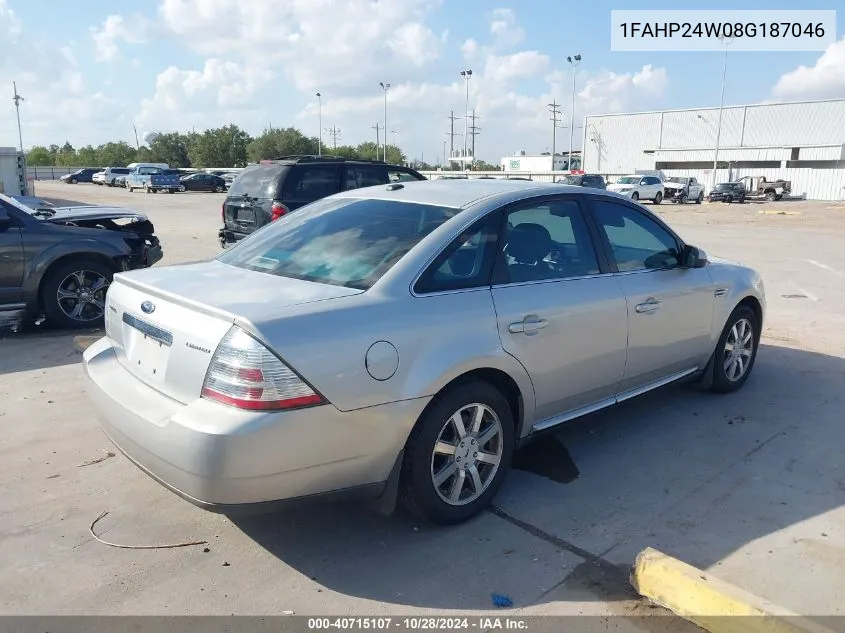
82	295
467	454
739	348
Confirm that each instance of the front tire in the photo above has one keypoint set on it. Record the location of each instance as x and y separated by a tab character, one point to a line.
74	294
458	454
73	181
218	189
700	198
635	196
682	199
736	351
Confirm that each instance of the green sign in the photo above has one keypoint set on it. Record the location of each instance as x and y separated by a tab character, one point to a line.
514	164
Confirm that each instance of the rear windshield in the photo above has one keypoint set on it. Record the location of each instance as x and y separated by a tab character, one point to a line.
257	182
724	187
118	170
343	242
571	180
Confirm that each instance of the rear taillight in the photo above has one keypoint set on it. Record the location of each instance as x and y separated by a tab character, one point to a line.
243	373
277	211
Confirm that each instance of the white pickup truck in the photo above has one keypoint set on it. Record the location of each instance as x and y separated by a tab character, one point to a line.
680	189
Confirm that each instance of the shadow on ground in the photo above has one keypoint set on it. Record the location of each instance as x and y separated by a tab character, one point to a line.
716	471
33	347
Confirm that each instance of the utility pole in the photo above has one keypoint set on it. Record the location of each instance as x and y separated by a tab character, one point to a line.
474	131
17	99
319	124
452	119
573	61
334	134
377	127
385	87
726	41
137	144
554	108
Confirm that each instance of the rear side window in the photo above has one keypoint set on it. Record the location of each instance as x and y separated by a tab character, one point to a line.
119	170
311	182
344	242
260	181
358	176
398	174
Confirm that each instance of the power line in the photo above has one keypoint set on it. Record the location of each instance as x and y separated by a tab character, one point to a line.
557	116
334	134
473	131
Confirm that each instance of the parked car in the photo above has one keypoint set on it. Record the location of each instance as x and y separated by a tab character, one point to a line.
120	181
203	182
80	175
99	178
153	180
682	189
727	192
584	180
229	178
760	187
264	193
112	174
639	188
409	336
59	261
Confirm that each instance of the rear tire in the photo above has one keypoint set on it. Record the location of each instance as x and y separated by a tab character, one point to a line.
658	198
446	487
635	196
218	189
73	181
771	196
80	281
736	351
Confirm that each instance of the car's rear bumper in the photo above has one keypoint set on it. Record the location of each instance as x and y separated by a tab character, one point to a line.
224	459
227	237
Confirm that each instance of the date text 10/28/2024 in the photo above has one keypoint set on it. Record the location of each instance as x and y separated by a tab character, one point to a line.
479	623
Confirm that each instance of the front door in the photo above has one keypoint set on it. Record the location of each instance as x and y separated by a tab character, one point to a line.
559	312
670	308
11	258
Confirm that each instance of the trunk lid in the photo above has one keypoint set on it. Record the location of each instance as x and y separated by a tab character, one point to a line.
166	323
243	214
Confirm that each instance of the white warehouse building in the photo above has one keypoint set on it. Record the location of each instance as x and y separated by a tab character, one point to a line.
801	142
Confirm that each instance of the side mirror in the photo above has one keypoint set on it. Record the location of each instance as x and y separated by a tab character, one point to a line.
693	257
643	182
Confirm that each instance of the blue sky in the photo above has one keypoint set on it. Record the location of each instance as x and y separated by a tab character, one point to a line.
89	73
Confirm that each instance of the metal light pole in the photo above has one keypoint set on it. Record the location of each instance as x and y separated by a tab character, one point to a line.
573	61
385	87
320	121
466	74
726	41
17	99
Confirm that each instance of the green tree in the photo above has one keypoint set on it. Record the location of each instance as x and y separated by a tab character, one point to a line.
171	148
481	165
66	156
39	156
88	157
344	151
144	155
368	151
221	147
117	154
281	142
395	155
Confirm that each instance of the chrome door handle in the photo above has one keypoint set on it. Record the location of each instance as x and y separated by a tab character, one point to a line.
528	325
648	307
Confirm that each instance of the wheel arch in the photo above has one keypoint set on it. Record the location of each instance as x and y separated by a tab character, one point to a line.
755	305
55	264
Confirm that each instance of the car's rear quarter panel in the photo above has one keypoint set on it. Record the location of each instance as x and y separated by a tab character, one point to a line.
438	338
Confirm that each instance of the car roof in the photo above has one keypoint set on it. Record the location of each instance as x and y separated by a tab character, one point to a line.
456	194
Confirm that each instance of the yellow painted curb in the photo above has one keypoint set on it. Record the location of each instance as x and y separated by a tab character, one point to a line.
709	602
81	343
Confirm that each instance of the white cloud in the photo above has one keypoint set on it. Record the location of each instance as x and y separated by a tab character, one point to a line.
506	32
184	98
824	80
509	67
115	28
9	22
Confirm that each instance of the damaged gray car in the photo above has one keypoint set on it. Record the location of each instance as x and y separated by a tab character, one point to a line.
58	262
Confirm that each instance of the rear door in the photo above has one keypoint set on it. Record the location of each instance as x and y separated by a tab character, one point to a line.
307	182
247	207
560	312
11	257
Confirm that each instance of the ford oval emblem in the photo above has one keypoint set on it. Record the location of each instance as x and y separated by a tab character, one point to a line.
148	307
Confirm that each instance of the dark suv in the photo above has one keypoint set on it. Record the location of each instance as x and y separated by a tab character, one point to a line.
265	192
584	180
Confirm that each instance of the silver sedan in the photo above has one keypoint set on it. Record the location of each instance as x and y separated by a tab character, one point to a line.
401	341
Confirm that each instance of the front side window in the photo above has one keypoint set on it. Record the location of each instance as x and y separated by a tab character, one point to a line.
628	180
348	242
637	241
546	240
